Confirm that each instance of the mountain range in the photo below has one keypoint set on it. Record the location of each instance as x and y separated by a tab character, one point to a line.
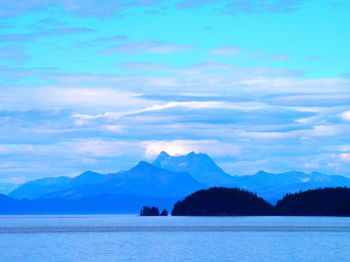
162	182
144	179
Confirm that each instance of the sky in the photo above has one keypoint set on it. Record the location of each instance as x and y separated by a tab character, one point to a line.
100	85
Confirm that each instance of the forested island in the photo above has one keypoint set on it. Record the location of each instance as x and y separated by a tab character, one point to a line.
219	201
317	202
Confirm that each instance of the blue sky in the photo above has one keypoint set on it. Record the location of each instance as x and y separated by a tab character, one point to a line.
100	85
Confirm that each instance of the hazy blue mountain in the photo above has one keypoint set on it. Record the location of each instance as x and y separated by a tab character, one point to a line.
274	186
144	179
200	166
38	187
87	178
150	180
175	176
294	177
6	188
101	204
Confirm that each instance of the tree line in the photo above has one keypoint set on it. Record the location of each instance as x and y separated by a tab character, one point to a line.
219	201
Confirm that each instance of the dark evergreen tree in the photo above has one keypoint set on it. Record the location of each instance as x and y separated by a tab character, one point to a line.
164	213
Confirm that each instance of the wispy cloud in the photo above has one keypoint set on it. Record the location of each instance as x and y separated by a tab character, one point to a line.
262	56
226	51
20	37
345	157
93	8
104	148
12	53
73	98
192	3
83	8
246	6
146	66
314	99
155	47
258	55
113	39
11	8
255	6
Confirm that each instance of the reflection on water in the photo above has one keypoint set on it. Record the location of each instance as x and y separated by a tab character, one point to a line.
133	238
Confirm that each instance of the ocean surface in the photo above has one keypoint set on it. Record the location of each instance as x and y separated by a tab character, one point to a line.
134	238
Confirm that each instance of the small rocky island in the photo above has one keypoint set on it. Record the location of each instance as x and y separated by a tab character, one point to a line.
152	211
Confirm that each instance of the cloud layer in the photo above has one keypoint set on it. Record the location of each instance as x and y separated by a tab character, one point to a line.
100	85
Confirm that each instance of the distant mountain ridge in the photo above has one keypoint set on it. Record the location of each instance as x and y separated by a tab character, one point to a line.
273	186
174	177
39	187
99	204
144	179
6	188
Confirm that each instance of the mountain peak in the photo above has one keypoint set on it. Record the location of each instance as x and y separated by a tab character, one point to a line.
192	154
199	155
88	173
199	165
163	154
261	173
144	166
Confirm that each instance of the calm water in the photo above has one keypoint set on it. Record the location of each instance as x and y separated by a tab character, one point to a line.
133	238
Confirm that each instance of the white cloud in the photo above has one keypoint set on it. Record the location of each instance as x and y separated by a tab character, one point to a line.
178	147
346	116
114	129
266	135
326	130
85	119
240	106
